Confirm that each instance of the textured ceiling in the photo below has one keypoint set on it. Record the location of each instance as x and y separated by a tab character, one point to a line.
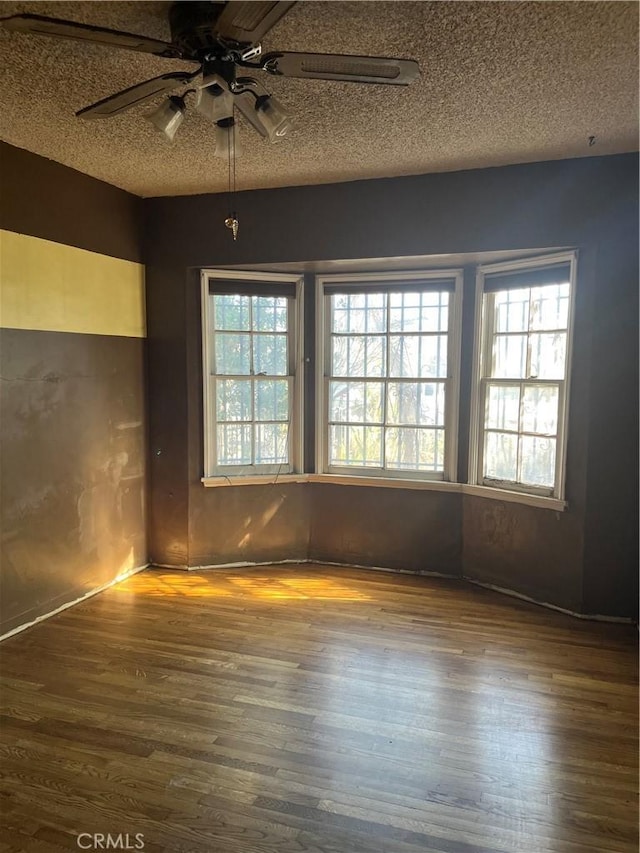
502	82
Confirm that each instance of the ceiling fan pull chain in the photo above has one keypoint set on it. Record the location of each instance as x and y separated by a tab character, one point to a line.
231	221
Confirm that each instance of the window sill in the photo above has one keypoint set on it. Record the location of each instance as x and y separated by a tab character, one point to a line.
443	486
540	501
385	482
505	495
255	480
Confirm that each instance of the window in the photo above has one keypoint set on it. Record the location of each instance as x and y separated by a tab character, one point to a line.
522	360
389	382
252	394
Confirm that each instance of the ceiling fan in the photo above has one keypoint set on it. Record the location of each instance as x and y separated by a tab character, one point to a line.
224	40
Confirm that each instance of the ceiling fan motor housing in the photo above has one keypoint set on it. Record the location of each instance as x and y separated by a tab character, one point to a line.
193	28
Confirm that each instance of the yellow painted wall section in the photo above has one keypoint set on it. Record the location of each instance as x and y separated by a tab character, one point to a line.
48	286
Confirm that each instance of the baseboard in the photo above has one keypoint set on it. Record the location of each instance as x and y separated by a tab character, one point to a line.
302	562
389	570
593	617
240	565
37	620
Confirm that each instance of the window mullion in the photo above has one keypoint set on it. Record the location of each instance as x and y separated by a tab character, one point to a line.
385	384
486	362
519	438
488	340
527	371
482	416
213	365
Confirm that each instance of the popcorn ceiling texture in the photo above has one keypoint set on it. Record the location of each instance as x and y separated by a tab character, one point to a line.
502	82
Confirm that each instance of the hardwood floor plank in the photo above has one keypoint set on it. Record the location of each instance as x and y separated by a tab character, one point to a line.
312	709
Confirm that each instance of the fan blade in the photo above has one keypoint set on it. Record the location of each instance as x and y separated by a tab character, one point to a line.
41	26
137	94
247	21
334	66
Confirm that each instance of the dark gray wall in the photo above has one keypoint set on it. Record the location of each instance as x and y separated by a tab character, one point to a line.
73	463
168	423
611	520
589	203
536	552
391	528
73	431
45	199
559	203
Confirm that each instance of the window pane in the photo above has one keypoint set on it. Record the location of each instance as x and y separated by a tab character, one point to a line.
503	407
415	449
271	400
538	461
418	356
233	399
419	312
512	310
500	456
271	444
270	355
509	357
358	356
356	402
360	313
355	445
540	409
435	311
234	444
270	313
405	312
232	354
550	306
230	312
548	355
416	403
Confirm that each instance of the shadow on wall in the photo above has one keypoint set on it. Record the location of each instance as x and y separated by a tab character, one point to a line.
253	524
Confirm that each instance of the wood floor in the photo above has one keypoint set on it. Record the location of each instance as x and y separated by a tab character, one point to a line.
318	710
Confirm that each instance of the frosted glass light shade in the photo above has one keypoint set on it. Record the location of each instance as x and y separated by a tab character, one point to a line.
214	103
224	138
168	117
274	118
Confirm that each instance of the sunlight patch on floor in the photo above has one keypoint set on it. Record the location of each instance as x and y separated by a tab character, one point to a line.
273	588
286	588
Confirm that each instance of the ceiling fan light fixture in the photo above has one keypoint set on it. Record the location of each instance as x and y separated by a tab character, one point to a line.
168	117
214	103
226	139
273	117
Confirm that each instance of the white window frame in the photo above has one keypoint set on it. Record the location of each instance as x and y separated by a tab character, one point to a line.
296	376
452	383
483	334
